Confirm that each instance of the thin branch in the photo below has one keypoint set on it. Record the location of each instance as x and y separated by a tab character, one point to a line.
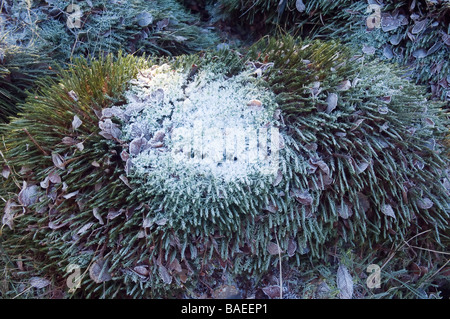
281	274
35	143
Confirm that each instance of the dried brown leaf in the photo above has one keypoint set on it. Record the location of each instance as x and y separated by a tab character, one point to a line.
164	274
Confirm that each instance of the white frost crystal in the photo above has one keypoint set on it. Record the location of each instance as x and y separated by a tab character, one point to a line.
205	125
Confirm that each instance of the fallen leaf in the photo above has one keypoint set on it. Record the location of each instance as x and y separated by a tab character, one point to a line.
112	213
272	291
162	222
38	282
83	229
144	19
429	122
54	177
136	145
419	53
226	292
175	266
344	210
425	203
271	208
435	48
73	95
254	105
356	124
8	217
58	161
302	197
124	179
68	141
99	271
419	26
141	270
370	50
383	110
164	274
292	247
53	226
344	283
97	215
300	6
80	146
387	52
395	39
278	178
28	195
160	25
332	100
70	195
6	171
45	183
344	85
109	130
321	164
147	222
76	123
273	248
361	167
388	211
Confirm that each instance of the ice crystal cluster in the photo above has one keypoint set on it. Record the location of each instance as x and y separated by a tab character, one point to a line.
190	129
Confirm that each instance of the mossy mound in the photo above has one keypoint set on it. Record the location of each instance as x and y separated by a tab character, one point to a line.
92	180
411	33
66	29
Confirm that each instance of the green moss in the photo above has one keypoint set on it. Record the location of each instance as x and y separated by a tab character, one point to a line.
361	166
102	27
19	69
401	38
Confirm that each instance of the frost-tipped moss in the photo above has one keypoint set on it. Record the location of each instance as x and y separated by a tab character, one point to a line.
414	34
360	163
66	29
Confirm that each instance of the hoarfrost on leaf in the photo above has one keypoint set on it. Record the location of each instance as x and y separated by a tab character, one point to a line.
344	283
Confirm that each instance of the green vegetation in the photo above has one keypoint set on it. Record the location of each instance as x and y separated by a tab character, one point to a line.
361	170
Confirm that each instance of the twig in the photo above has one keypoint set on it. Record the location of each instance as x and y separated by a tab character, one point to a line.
440	269
35	143
279	258
404	243
430	250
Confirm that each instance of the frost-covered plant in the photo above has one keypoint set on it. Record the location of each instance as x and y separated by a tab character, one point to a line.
415	34
100	178
65	29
